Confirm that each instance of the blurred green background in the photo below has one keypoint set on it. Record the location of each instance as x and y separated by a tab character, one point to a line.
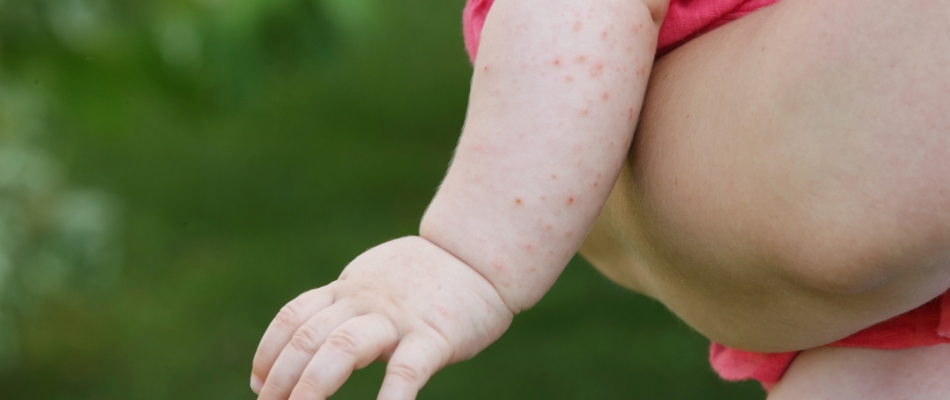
172	172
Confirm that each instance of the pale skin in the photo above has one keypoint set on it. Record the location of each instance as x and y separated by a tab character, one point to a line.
789	184
557	89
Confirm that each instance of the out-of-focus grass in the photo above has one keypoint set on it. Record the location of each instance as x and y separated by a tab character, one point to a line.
255	148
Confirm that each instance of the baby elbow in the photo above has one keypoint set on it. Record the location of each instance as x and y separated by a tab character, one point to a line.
657	10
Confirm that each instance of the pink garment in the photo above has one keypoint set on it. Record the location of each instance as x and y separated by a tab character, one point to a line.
926	325
685	20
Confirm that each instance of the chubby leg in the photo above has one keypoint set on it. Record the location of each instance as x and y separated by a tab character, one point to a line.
789	183
834	373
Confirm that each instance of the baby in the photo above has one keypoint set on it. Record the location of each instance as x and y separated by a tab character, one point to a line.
556	96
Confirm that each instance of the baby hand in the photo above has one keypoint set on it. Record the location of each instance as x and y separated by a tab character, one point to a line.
406	301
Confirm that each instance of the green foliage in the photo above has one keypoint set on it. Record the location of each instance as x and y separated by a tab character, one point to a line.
52	238
255	147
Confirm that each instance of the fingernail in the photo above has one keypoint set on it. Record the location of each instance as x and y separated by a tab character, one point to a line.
256	384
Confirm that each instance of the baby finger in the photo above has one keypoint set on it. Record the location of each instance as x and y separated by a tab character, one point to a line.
411	366
282	328
352	346
300	349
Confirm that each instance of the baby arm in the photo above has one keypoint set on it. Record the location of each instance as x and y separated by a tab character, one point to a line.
556	94
557	90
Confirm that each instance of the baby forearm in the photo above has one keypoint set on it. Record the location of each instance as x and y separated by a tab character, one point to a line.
555	98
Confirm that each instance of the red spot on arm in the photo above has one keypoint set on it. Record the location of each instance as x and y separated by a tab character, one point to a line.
596	70
581	59
553	176
443	311
518	201
498	266
595	185
578	25
630	114
557	62
584	112
605	96
549	227
570	200
569	79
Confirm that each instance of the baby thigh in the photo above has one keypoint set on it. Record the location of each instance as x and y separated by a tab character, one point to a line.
791	168
867	374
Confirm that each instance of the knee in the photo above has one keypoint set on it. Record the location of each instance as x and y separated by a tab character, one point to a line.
872	234
845	230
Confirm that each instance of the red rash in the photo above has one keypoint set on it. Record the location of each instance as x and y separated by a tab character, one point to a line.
596	70
498	266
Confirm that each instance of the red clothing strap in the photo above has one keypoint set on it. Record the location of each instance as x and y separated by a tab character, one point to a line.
926	325
685	20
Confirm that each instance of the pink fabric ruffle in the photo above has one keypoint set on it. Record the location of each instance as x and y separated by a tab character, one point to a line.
926	325
685	20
